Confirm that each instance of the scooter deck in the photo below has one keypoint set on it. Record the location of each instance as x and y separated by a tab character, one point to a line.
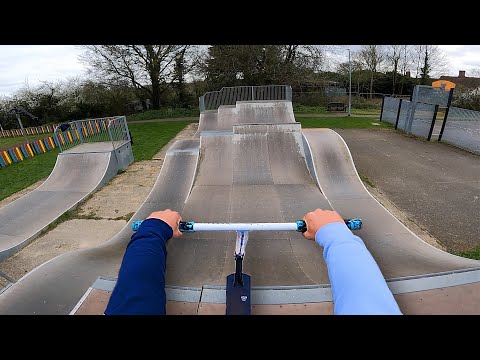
238	296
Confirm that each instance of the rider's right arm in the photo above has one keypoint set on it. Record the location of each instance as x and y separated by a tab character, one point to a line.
358	285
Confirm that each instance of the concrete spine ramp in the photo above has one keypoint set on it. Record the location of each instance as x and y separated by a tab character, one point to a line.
76	174
245	112
242	178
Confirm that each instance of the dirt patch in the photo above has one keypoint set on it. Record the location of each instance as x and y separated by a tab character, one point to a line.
95	221
125	193
404	218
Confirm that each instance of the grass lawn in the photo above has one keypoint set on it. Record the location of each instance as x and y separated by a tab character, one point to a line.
148	139
366	112
20	175
344	122
20	140
303	109
164	114
472	254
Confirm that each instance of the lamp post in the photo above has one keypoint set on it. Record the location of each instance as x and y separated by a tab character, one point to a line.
350	86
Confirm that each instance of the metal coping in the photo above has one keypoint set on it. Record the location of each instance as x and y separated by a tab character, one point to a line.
276	295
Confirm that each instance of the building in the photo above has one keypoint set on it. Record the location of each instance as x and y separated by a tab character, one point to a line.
461	81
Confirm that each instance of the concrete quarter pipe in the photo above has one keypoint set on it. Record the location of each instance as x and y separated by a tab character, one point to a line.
270	171
77	173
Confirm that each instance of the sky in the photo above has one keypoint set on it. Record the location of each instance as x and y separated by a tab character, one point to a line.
21	64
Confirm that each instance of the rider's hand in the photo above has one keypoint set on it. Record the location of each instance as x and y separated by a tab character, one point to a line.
318	218
171	217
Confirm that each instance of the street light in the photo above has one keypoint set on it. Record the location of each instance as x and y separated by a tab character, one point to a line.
350	87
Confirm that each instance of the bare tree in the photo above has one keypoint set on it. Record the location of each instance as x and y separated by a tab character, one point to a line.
308	56
474	72
372	56
393	55
405	64
147	67
430	58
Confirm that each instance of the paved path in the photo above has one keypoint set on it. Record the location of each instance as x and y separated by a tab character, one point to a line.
437	185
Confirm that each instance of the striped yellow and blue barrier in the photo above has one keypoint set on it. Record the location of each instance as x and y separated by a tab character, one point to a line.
20	153
33	130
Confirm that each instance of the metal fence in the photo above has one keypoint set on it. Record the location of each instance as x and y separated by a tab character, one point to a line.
430	95
461	128
230	95
410	116
404	115
109	129
422	119
390	109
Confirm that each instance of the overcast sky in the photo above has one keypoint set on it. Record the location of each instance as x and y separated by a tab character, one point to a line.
34	63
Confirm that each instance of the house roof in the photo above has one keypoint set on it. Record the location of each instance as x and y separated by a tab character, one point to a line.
464	82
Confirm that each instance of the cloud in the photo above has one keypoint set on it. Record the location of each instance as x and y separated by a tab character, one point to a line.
462	57
36	63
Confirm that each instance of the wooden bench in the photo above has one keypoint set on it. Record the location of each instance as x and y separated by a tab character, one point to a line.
336	106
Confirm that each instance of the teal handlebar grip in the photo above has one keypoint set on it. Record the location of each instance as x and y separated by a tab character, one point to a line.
352	224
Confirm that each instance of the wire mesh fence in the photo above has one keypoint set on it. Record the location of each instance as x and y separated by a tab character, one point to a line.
110	129
390	109
230	95
462	129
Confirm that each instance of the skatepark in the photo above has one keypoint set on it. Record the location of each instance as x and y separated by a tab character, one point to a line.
250	161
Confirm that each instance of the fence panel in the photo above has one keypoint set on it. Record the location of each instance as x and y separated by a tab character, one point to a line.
462	129
111	129
404	115
422	119
430	95
390	109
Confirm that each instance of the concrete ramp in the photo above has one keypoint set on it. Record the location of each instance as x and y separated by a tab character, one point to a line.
242	178
246	112
207	121
77	173
57	285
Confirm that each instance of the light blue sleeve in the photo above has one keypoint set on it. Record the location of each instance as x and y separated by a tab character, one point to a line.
358	285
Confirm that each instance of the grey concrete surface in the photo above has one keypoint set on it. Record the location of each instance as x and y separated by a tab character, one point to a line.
75	175
437	185
242	178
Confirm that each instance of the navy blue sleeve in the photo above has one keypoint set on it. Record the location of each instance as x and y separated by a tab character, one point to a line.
140	288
